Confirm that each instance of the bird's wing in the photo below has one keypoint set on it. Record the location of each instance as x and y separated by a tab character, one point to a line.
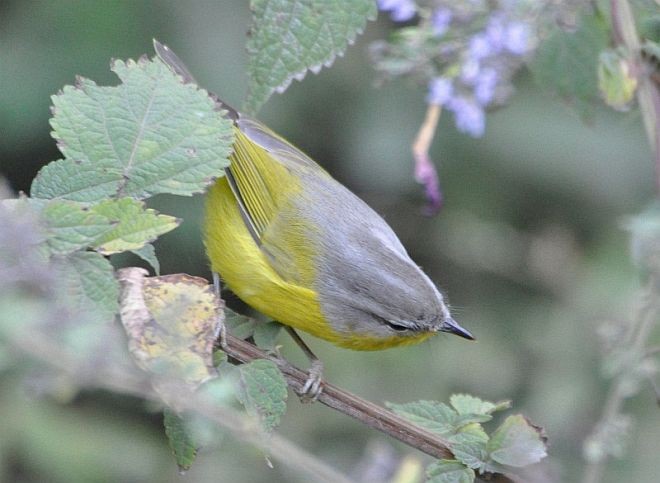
264	176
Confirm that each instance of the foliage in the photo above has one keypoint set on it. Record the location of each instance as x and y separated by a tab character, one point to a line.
290	37
567	61
152	135
514	443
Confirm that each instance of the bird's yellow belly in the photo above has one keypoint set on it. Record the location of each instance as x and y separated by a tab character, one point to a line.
246	271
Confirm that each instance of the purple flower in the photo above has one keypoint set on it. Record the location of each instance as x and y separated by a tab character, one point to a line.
440	21
469	116
440	91
516	38
480	46
495	33
400	10
484	87
470	71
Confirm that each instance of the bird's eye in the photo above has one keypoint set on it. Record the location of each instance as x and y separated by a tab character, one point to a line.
392	324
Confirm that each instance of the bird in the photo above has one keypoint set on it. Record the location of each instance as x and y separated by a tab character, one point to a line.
301	248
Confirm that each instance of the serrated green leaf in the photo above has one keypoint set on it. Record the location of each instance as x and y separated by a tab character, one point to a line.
151	134
88	283
148	254
449	471
72	226
516	443
567	62
474	410
136	225
181	441
263	392
266	333
290	37
469	446
466	404
432	415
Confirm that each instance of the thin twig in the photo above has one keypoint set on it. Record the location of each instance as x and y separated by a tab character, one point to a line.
372	415
642	326
347	403
425	172
648	96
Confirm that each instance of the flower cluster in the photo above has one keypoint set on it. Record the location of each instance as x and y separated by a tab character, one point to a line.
471	52
465	52
400	10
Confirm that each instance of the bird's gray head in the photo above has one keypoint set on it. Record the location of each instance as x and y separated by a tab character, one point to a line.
368	285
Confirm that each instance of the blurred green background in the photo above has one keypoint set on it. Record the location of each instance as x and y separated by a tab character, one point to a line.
529	247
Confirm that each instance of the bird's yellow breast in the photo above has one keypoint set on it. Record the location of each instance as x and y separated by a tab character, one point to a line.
246	271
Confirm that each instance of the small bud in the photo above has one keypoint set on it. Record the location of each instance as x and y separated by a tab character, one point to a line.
616	83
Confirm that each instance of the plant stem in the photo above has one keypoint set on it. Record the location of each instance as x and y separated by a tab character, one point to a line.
638	335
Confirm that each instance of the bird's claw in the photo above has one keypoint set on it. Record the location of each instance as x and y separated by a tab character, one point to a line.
312	388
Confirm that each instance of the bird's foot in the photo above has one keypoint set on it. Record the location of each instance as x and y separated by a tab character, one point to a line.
312	388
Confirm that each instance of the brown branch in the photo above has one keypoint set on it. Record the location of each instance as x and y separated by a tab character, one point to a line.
366	412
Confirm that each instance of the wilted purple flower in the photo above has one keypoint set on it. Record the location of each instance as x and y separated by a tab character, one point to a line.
426	174
469	116
484	87
440	91
480	47
440	21
400	10
516	39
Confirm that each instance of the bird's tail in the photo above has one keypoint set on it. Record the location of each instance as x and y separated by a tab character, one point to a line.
172	60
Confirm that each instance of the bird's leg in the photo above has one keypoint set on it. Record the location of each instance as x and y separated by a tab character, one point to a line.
312	388
222	328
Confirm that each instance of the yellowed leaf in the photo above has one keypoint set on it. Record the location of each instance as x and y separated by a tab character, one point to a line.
172	323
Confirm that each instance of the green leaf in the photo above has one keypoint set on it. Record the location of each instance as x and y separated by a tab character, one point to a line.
448	471
148	254
466	404
263	392
136	225
181	441
238	325
72	226
432	415
517	443
567	62
220	358
151	134
88	283
469	446
290	37
266	333
473	410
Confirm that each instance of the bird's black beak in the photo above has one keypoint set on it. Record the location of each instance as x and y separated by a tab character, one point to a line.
451	326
